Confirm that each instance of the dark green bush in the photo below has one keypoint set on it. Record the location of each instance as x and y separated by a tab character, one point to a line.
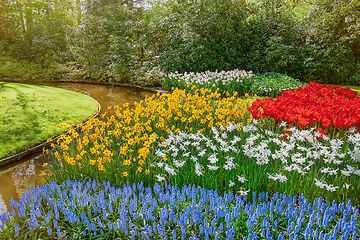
210	35
109	42
225	35
120	41
15	69
44	42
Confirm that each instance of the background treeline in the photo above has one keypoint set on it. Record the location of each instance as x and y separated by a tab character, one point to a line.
134	41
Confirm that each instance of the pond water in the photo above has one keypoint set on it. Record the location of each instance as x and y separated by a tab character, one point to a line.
16	179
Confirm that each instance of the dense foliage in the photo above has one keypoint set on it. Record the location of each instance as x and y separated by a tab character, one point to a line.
122	40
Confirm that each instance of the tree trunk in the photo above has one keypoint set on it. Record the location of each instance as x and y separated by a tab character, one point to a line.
21	15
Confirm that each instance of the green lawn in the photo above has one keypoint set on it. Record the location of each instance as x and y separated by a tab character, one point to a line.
29	114
354	88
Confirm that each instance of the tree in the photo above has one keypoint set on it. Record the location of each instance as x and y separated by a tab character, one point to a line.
8	20
334	35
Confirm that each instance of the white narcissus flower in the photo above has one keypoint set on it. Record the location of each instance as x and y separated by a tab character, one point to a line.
169	170
357	172
179	164
241	179
159	153
279	177
213	159
230	164
331	188
232	127
282	124
235	140
202	153
198	169
242	192
160	164
211	167
160	178
346	173
329	171
231	183
319	183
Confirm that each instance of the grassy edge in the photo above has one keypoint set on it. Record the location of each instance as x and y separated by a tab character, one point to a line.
26	148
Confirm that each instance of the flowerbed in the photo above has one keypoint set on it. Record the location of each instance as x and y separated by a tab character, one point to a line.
272	84
123	147
231	81
316	105
201	138
209	141
255	160
266	84
90	210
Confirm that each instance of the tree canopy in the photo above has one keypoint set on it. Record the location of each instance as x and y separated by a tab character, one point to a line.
119	40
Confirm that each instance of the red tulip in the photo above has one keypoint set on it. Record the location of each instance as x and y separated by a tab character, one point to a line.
284	137
326	122
316	116
349	122
290	118
302	122
322	131
338	121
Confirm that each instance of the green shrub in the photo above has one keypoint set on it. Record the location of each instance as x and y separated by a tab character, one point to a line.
15	69
224	35
153	77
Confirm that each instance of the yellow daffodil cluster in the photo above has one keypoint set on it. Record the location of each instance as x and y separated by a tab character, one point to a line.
124	145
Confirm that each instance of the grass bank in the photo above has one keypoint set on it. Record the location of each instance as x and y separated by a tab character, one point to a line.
29	114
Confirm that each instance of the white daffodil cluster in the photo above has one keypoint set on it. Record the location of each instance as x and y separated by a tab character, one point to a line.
301	153
333	155
211	78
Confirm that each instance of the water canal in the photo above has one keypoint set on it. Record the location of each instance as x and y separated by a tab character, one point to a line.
16	179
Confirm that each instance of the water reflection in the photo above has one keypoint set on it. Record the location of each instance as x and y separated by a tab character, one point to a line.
16	180
106	95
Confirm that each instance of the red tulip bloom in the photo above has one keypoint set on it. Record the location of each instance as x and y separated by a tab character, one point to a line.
256	114
290	118
279	116
302	122
326	123
349	122
284	137
319	132
306	114
338	121
316	117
